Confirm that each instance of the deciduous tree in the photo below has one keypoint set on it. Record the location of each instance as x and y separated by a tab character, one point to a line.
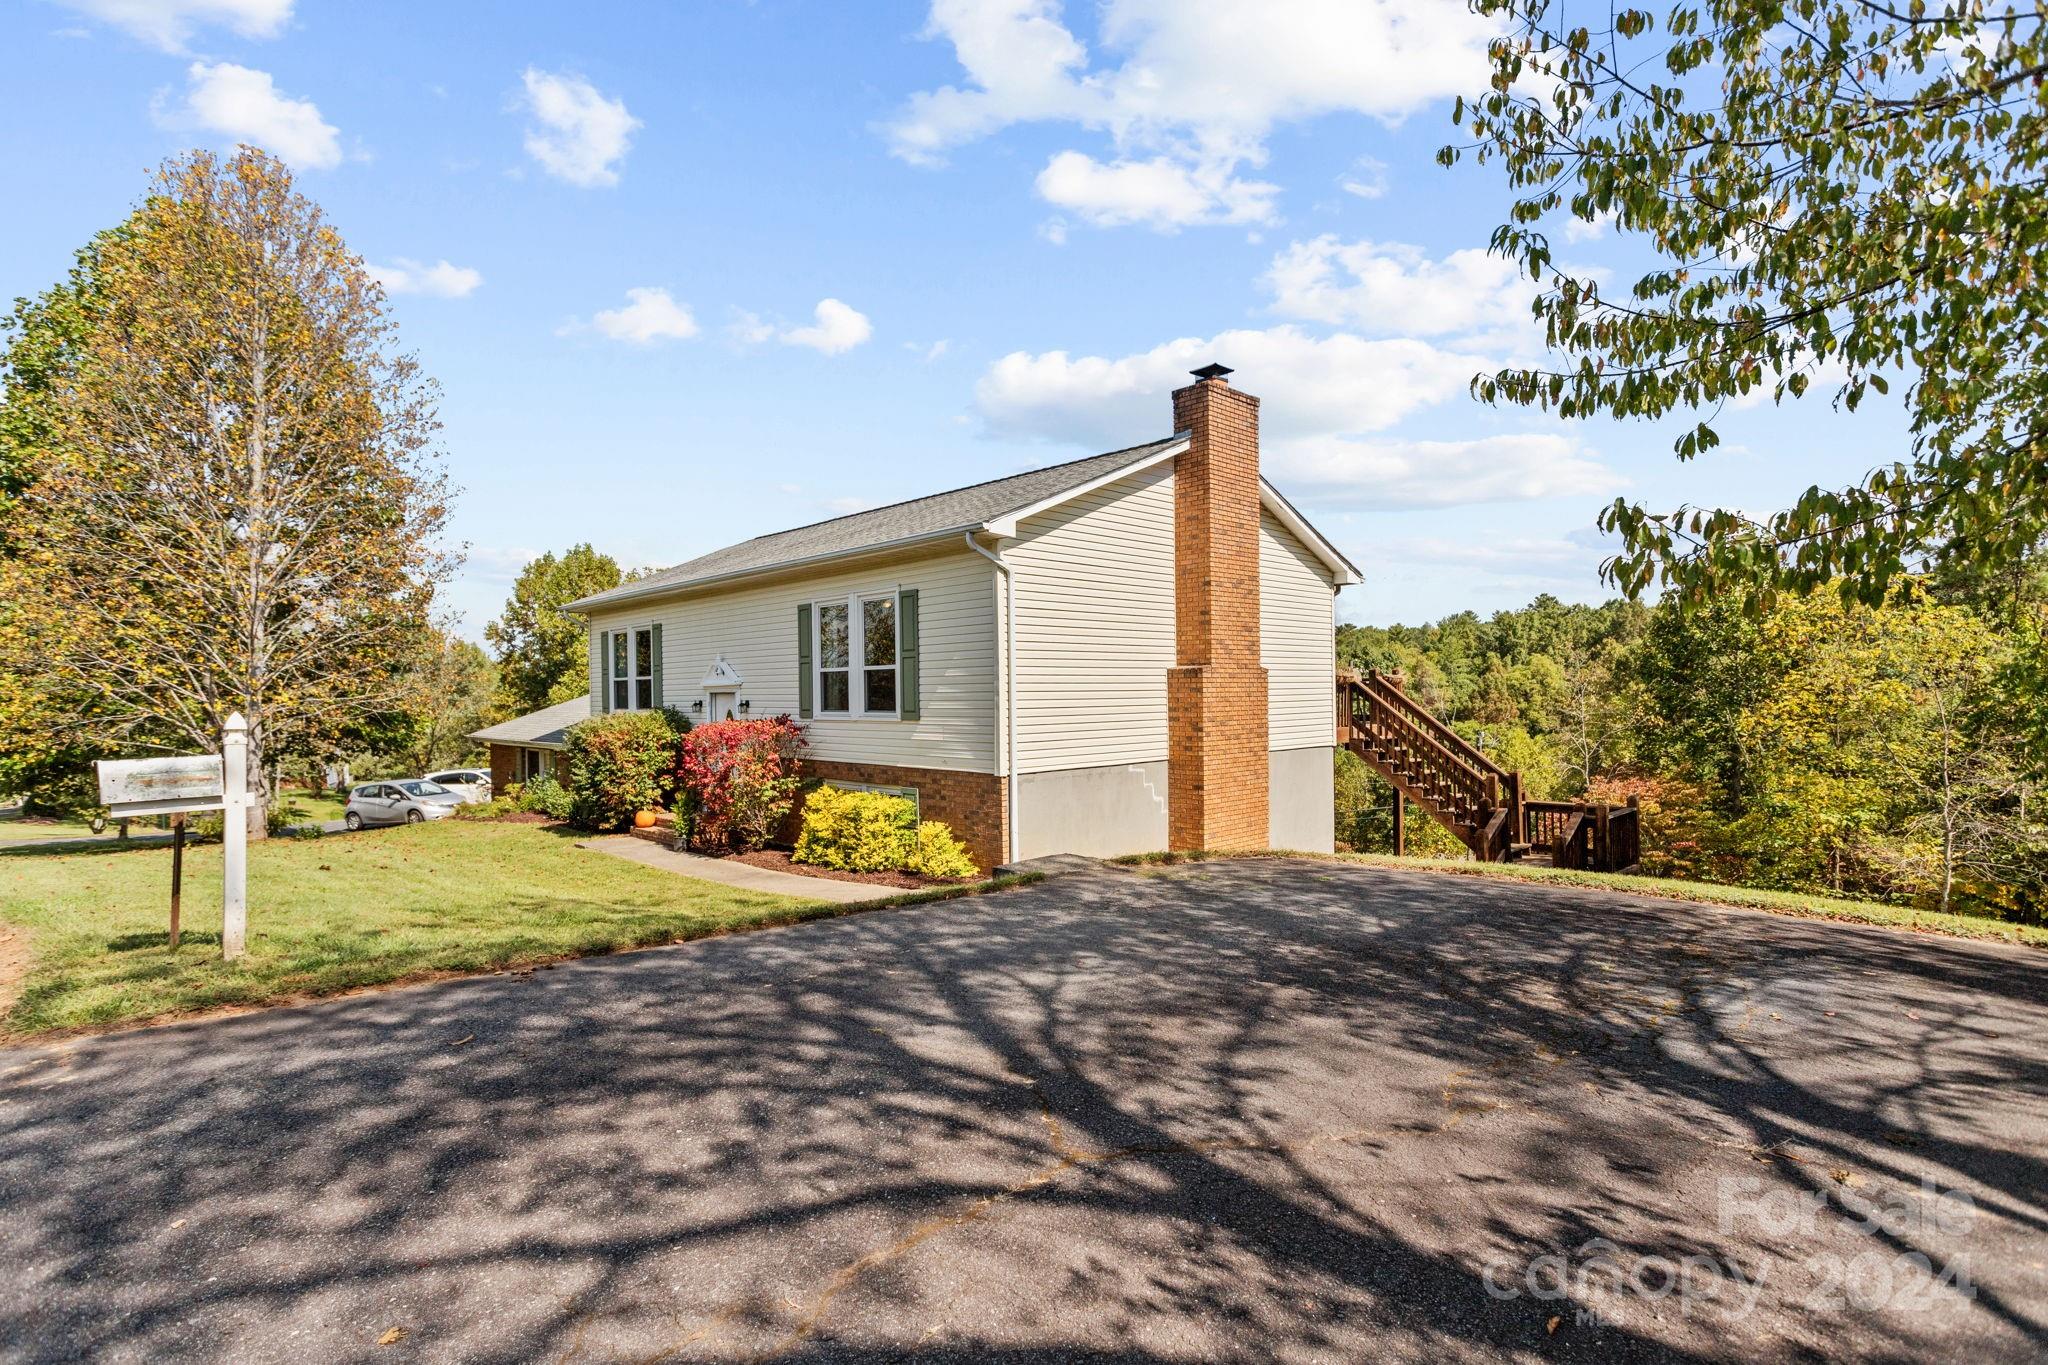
1840	193
543	653
241	500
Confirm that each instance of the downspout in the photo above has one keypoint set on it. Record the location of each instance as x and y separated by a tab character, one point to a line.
1009	689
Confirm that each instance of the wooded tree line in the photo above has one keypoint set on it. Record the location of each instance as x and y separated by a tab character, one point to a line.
1895	751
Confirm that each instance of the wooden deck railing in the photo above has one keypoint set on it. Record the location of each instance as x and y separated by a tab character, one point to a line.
1468	792
1595	836
1443	770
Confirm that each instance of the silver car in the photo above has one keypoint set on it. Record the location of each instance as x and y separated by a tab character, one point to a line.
399	803
470	784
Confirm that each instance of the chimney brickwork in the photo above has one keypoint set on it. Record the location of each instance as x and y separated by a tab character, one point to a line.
1217	794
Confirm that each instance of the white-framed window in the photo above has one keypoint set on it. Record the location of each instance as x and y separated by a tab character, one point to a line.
632	669
857	653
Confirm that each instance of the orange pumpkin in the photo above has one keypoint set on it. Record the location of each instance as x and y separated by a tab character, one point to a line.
644	820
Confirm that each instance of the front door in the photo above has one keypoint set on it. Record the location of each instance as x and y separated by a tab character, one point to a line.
721	707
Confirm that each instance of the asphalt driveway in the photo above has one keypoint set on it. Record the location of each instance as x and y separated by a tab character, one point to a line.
1251	1110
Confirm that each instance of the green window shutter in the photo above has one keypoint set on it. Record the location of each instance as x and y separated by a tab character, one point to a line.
803	660
906	654
604	672
658	696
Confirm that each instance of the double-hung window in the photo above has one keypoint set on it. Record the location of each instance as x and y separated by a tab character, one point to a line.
632	667
857	654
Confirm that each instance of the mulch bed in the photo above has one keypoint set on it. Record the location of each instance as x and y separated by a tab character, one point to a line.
778	860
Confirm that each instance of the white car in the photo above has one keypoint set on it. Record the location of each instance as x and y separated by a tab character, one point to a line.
407	802
471	784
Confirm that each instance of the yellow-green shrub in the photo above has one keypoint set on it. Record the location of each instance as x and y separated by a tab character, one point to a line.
938	854
856	831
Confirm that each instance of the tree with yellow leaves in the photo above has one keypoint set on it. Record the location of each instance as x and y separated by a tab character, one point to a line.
239	501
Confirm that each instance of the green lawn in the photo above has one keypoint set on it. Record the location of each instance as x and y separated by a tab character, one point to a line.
1705	893
16	830
301	808
327	915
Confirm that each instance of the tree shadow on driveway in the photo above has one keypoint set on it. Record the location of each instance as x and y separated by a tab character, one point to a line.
1245	1110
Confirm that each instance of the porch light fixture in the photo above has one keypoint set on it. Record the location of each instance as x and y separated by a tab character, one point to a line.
698	706
745	706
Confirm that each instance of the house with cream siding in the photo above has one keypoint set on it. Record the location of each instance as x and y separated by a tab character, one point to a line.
1125	653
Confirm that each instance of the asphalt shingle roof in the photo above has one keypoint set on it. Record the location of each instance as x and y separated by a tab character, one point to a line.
544	726
958	509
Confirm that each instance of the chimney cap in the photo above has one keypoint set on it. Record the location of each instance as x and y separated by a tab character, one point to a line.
1211	371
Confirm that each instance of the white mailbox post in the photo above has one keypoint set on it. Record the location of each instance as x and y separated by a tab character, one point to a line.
234	910
179	786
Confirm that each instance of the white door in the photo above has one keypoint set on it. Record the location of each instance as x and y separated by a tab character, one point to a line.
721	707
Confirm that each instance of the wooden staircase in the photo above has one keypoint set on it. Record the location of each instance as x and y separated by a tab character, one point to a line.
1469	794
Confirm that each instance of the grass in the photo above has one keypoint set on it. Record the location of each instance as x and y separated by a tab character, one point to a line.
15	829
331	915
302	808
1705	893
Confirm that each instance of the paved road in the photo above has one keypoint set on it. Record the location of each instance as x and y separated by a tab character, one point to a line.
1253	1111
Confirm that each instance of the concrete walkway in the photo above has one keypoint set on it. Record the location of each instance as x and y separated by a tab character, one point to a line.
732	873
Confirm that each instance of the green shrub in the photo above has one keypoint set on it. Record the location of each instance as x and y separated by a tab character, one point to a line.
547	796
856	831
497	808
936	853
621	764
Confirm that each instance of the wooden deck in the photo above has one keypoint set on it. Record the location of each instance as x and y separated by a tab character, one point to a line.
1469	794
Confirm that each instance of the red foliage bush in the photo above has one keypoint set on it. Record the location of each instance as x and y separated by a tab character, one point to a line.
741	776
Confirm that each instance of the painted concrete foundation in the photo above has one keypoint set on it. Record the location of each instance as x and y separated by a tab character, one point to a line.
1303	802
1100	812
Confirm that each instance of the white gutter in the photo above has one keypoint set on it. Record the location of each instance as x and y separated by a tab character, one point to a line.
1009	690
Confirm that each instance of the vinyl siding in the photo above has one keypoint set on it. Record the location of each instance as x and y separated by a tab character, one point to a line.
754	627
1297	640
1094	583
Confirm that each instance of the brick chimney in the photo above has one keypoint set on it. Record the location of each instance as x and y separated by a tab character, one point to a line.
1216	696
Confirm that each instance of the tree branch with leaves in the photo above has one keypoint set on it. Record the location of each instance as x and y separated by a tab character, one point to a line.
1837	188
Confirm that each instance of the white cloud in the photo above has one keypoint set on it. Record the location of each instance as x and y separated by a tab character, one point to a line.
835	328
441	280
1551	556
1160	193
1203	84
169	23
1577	229
1385	287
1323	398
246	105
1400	474
1367	178
748	329
1309	384
578	135
648	315
929	353
1054	230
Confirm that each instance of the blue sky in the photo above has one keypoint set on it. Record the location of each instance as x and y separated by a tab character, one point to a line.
691	272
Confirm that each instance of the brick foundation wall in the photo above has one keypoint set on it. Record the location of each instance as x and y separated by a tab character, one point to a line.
974	805
1216	700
